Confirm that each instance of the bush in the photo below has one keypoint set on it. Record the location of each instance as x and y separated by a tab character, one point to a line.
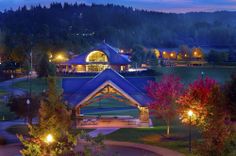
3	141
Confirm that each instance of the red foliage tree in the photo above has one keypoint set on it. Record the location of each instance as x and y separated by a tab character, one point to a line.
195	98
205	99
164	95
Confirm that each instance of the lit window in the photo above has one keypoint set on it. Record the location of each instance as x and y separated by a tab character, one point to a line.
96	56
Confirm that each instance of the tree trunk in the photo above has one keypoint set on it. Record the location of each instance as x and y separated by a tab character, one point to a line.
168	129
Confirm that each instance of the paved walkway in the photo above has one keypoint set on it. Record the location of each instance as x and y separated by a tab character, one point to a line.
11	138
155	149
103	131
7	85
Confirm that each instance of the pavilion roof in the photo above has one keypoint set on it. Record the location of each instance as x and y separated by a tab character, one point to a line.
114	57
108	75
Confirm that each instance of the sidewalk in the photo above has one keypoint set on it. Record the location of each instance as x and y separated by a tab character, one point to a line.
155	149
103	131
11	138
7	85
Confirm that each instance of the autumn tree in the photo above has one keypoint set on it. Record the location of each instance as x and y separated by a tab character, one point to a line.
230	93
195	98
205	99
216	131
164	95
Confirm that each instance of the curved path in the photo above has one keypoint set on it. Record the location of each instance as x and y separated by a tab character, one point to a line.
10	138
160	151
7	85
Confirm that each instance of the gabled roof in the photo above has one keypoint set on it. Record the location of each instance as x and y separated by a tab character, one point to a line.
111	76
114	57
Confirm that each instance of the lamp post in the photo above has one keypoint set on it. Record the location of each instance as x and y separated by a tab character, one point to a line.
28	104
202	73
12	77
49	139
190	114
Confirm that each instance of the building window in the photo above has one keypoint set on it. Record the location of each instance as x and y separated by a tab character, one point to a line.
96	67
96	56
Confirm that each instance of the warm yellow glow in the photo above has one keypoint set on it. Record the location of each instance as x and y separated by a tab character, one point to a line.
190	113
49	139
164	52
171	54
185	55
59	57
195	53
96	56
157	53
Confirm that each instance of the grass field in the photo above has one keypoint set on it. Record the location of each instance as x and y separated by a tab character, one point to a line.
2	92
23	130
37	85
189	74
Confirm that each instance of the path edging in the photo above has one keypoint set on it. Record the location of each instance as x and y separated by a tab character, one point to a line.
155	149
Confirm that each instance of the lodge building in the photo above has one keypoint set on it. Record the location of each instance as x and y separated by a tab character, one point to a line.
98	59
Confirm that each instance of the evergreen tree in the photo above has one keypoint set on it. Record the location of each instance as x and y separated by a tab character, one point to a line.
54	122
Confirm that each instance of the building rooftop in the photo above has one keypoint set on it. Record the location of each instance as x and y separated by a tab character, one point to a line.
113	54
84	87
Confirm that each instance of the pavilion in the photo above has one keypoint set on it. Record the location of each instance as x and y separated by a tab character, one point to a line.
97	59
83	91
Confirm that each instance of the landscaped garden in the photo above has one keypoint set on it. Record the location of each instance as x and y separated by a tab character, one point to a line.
178	137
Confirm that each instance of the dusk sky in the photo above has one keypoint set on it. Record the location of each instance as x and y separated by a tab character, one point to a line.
178	6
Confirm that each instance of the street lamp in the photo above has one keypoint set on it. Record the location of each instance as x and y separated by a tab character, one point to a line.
202	73
49	139
190	114
28	104
12	77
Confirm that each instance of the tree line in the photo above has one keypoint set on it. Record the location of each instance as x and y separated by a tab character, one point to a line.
77	27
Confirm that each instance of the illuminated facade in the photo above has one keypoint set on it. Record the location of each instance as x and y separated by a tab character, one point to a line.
83	91
98	59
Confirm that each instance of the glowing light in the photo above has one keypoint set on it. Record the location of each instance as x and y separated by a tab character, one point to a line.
164	52
59	57
190	113
185	55
49	139
122	51
195	53
171	54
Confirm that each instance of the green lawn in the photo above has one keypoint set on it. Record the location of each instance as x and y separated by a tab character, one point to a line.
2	92
23	130
189	74
37	85
153	136
178	140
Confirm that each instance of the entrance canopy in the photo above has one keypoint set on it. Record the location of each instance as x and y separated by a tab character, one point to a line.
108	83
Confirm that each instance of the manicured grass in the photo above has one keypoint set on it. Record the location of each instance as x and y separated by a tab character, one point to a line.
189	74
2	92
37	85
23	130
178	140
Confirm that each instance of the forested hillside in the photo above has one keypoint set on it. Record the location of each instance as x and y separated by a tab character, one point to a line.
76	27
